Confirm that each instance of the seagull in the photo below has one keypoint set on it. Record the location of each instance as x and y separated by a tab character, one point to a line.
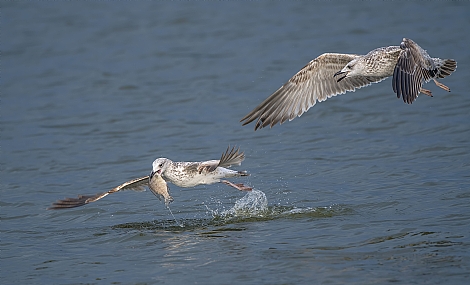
182	174
190	174
332	74
156	184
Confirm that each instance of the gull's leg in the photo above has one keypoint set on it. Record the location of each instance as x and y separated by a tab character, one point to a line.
239	186
426	91
441	85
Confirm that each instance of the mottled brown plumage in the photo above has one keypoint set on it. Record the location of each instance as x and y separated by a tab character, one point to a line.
190	174
332	74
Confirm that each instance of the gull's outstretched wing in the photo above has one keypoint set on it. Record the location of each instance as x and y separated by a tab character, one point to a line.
137	184
315	82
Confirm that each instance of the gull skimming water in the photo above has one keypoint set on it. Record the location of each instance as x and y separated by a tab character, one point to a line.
182	174
331	74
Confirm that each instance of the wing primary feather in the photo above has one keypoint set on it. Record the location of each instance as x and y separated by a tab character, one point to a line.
231	157
134	184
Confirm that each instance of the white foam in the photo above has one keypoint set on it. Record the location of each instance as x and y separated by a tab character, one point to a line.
252	204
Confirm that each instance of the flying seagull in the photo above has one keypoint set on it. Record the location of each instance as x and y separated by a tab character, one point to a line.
331	74
182	174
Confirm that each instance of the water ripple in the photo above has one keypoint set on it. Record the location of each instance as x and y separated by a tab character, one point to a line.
253	207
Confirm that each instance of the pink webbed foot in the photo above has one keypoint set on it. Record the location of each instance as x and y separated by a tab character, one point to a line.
239	186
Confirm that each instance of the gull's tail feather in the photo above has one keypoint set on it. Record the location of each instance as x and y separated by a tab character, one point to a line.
445	67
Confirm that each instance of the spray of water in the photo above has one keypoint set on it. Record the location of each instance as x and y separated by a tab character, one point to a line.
254	203
251	207
180	224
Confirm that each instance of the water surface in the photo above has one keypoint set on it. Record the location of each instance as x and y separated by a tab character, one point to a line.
362	189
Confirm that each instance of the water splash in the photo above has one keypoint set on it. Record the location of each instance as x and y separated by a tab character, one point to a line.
253	204
180	224
250	208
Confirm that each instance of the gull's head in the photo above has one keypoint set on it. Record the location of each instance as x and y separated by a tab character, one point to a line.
159	166
351	69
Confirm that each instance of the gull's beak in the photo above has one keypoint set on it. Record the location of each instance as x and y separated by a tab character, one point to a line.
155	172
339	73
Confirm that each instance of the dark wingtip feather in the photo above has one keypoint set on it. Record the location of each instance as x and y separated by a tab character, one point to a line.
68	203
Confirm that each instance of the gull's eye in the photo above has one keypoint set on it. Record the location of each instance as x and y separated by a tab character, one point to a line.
160	165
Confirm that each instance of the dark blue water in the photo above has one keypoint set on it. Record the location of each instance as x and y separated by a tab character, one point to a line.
362	189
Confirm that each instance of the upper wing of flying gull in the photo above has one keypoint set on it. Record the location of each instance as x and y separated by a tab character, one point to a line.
136	184
415	66
313	82
229	157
